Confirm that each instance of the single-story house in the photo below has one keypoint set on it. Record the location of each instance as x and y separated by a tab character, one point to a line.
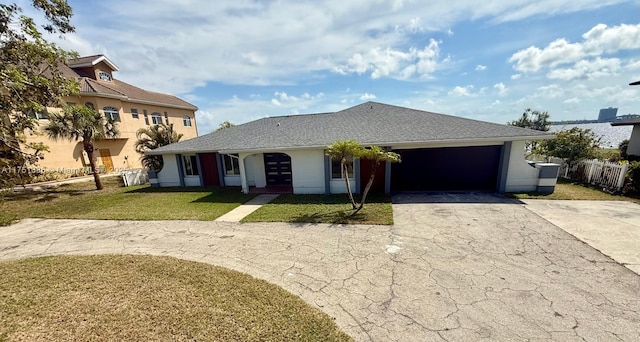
439	153
634	141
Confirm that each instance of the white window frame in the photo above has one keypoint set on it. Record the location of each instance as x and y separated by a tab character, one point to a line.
156	118
111	113
134	113
336	163
190	164
231	164
186	121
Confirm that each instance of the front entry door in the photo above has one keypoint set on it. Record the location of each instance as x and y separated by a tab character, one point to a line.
277	167
105	156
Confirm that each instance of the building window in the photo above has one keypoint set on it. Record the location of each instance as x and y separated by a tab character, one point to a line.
146	117
111	113
42	115
134	113
231	165
104	76
186	120
166	118
89	105
156	118
190	165
336	169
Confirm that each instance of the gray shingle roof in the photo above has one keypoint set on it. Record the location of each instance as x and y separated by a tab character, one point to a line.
370	123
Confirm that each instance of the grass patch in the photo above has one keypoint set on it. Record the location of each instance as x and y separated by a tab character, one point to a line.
144	298
567	190
323	209
115	202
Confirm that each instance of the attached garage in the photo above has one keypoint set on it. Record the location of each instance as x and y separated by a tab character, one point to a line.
448	168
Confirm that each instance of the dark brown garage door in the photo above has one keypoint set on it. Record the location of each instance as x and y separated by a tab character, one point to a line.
449	168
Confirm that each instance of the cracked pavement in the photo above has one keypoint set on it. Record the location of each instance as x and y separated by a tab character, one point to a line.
459	267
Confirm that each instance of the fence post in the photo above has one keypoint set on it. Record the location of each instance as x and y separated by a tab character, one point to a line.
623	173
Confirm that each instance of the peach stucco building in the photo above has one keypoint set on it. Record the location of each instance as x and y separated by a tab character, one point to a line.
131	107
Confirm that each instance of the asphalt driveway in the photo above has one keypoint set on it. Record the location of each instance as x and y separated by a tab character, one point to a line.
453	267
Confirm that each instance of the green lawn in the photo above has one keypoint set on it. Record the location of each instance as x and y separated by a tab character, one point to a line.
566	190
323	209
115	202
147	298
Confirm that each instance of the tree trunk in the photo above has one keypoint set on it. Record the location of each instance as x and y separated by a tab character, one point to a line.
374	167
346	180
88	147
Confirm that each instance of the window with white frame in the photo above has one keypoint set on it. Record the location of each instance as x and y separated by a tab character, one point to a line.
41	115
337	170
111	113
231	164
186	120
156	118
190	165
134	113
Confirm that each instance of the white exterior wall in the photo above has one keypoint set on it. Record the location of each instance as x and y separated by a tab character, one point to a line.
520	176
634	142
169	175
254	167
338	186
191	181
307	167
232	180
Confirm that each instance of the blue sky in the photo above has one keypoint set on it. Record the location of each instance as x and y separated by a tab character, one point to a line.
241	60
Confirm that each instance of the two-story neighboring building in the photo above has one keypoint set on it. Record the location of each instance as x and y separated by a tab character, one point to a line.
131	107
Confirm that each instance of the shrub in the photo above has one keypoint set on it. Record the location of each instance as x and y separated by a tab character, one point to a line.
632	183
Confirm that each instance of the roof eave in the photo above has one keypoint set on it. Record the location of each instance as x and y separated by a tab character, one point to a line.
123	97
96	61
393	144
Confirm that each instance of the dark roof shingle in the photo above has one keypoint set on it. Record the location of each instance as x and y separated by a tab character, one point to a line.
370	123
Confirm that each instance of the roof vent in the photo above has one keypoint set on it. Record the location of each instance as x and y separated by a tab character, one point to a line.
278	124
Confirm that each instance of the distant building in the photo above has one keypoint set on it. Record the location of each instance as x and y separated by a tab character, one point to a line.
607	114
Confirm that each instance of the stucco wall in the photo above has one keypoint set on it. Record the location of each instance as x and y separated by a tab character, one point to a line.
308	171
169	174
634	142
66	154
191	181
521	176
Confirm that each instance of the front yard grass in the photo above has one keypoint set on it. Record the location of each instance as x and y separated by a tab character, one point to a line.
115	202
323	209
148	298
567	190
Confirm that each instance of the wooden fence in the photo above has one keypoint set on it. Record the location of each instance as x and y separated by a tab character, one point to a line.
602	173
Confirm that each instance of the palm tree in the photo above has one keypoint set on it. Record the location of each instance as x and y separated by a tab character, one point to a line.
224	125
345	151
80	122
376	155
152	138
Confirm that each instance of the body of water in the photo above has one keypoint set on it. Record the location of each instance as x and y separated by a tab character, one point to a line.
611	136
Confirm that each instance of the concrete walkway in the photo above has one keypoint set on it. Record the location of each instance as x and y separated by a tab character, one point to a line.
465	269
245	209
611	227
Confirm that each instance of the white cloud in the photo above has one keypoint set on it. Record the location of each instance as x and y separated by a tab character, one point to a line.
587	69
500	88
393	63
516	76
367	97
461	91
481	67
572	100
597	41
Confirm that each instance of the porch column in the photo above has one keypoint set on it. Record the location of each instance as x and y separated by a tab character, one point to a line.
243	174
199	167
180	169
387	177
220	169
327	175
356	175
503	169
